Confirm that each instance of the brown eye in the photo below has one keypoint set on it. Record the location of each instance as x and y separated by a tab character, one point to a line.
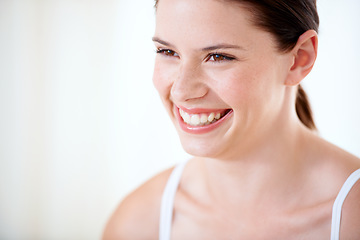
219	57
167	52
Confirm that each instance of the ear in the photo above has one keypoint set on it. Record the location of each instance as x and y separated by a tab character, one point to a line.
303	57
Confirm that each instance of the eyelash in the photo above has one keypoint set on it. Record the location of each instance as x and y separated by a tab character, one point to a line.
224	57
163	52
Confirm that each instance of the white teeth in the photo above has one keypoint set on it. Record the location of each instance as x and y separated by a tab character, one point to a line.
184	115
199	119
186	118
217	116
203	118
195	120
211	117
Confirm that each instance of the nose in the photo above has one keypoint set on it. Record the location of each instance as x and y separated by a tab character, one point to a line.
189	83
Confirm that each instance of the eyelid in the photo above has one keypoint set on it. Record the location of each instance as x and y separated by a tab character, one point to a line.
163	52
167	52
226	57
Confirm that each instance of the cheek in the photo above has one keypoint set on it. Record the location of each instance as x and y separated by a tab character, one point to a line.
161	79
235	86
245	87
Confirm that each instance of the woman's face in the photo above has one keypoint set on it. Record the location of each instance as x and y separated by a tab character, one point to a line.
220	78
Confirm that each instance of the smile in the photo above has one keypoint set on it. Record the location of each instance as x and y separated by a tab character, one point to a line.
201	120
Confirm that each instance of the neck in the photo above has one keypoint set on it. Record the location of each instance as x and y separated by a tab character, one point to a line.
268	171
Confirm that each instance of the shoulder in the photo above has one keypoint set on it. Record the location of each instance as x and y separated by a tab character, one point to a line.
339	165
331	159
137	216
350	219
336	166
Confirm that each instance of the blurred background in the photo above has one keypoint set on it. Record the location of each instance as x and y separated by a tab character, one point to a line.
81	124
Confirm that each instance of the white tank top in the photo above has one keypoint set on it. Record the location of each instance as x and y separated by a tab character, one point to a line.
167	202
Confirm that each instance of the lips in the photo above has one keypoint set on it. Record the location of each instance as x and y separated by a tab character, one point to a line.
200	121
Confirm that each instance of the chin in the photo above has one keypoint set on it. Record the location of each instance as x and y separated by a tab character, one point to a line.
201	147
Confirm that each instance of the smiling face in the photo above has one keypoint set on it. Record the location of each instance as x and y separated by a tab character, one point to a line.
220	78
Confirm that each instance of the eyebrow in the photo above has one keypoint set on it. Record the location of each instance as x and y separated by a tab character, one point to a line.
156	39
210	48
222	46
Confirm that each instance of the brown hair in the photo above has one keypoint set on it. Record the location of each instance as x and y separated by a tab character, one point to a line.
287	20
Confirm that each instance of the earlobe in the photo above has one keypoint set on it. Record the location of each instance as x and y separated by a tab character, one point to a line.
303	57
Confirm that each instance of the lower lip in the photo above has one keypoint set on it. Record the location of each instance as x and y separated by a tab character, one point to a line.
201	129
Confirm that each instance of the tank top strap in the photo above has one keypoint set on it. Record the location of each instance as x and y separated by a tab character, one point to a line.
167	201
337	207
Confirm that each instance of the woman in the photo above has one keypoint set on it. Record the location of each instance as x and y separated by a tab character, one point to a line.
228	72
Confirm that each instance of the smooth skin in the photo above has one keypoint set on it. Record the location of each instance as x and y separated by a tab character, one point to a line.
261	174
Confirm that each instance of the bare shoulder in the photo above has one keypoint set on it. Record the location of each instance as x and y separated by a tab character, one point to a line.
335	166
331	162
350	220
137	216
338	162
343	165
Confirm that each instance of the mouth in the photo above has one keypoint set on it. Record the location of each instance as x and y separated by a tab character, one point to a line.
201	120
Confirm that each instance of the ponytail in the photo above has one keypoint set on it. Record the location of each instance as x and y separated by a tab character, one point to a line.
303	109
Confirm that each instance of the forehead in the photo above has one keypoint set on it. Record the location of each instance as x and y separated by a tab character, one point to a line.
203	21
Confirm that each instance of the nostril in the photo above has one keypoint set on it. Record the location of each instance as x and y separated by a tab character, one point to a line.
184	91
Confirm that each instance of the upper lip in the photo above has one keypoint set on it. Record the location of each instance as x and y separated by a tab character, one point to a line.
201	110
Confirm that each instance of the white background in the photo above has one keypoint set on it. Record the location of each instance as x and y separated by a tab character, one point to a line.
81	124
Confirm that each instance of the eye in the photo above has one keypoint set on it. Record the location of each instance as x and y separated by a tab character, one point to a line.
167	52
216	57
